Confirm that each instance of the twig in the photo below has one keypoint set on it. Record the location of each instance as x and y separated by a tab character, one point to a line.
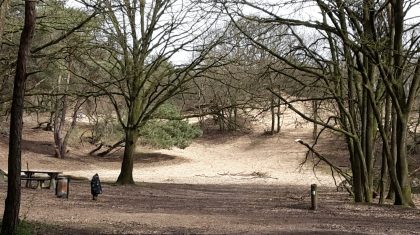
322	158
414	172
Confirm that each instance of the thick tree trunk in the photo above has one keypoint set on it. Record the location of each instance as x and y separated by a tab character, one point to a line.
370	152
357	180
12	204
357	172
402	164
126	174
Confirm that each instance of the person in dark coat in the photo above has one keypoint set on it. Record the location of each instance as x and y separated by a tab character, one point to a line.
95	186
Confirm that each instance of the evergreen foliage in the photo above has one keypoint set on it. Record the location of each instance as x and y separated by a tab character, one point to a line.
169	133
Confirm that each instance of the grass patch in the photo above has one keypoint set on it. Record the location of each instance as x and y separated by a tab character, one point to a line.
24	228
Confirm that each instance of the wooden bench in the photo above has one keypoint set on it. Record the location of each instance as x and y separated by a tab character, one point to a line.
40	181
30	175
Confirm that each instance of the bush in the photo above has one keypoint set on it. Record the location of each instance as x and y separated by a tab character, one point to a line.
166	134
164	130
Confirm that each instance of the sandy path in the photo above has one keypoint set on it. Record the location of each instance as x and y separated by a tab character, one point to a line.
246	159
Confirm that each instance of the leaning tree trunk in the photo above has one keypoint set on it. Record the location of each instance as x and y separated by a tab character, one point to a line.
12	206
106	152
63	147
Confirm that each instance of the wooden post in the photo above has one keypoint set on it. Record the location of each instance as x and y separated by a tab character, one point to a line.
314	197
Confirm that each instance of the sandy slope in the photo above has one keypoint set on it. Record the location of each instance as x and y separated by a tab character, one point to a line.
244	159
247	159
219	159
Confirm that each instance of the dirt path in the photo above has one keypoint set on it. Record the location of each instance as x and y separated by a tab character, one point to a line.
151	208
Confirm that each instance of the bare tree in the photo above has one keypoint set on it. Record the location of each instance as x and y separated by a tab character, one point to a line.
136	43
360	57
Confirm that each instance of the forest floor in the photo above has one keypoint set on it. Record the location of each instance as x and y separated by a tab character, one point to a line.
222	184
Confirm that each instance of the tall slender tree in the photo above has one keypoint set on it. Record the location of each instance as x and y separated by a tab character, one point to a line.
12	204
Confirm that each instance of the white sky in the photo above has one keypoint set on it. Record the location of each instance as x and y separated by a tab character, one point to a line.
301	11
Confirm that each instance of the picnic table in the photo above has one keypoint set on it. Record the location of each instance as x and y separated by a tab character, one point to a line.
29	176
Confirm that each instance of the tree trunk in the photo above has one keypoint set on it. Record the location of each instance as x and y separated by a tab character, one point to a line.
114	146
59	121
278	114
12	204
73	124
49	127
402	164
126	174
4	9
356	170
357	180
383	181
370	152
235	117
231	121
221	120
391	192
273	115
384	166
